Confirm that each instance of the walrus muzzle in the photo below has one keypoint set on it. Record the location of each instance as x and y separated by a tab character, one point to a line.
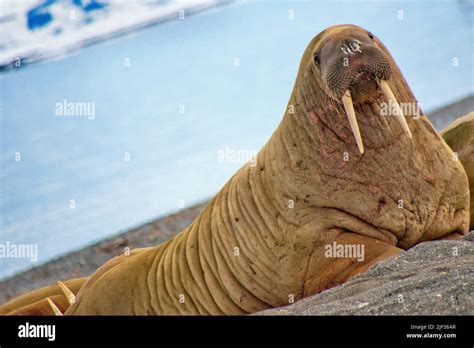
353	69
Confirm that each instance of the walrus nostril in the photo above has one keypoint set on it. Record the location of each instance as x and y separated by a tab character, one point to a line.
355	45
350	46
345	49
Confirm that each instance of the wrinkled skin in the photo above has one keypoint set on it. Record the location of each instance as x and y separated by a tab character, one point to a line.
261	241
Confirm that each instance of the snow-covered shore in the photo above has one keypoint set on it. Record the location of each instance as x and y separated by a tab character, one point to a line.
37	30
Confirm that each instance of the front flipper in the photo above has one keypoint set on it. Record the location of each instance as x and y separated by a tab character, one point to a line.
347	255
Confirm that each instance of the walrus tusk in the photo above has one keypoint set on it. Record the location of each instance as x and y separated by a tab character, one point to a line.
349	107
55	308
389	94
71	298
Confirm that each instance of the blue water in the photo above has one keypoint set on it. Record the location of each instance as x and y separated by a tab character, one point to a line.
188	66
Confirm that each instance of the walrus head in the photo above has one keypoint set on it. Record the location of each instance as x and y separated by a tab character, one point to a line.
397	178
351	61
354	68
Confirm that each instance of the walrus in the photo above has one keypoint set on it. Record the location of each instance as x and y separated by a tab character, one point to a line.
460	137
338	175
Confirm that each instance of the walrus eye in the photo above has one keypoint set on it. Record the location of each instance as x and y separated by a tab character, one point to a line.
371	36
316	59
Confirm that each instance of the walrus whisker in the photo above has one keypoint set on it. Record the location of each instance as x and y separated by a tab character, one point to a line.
389	94
349	107
71	298
55	308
